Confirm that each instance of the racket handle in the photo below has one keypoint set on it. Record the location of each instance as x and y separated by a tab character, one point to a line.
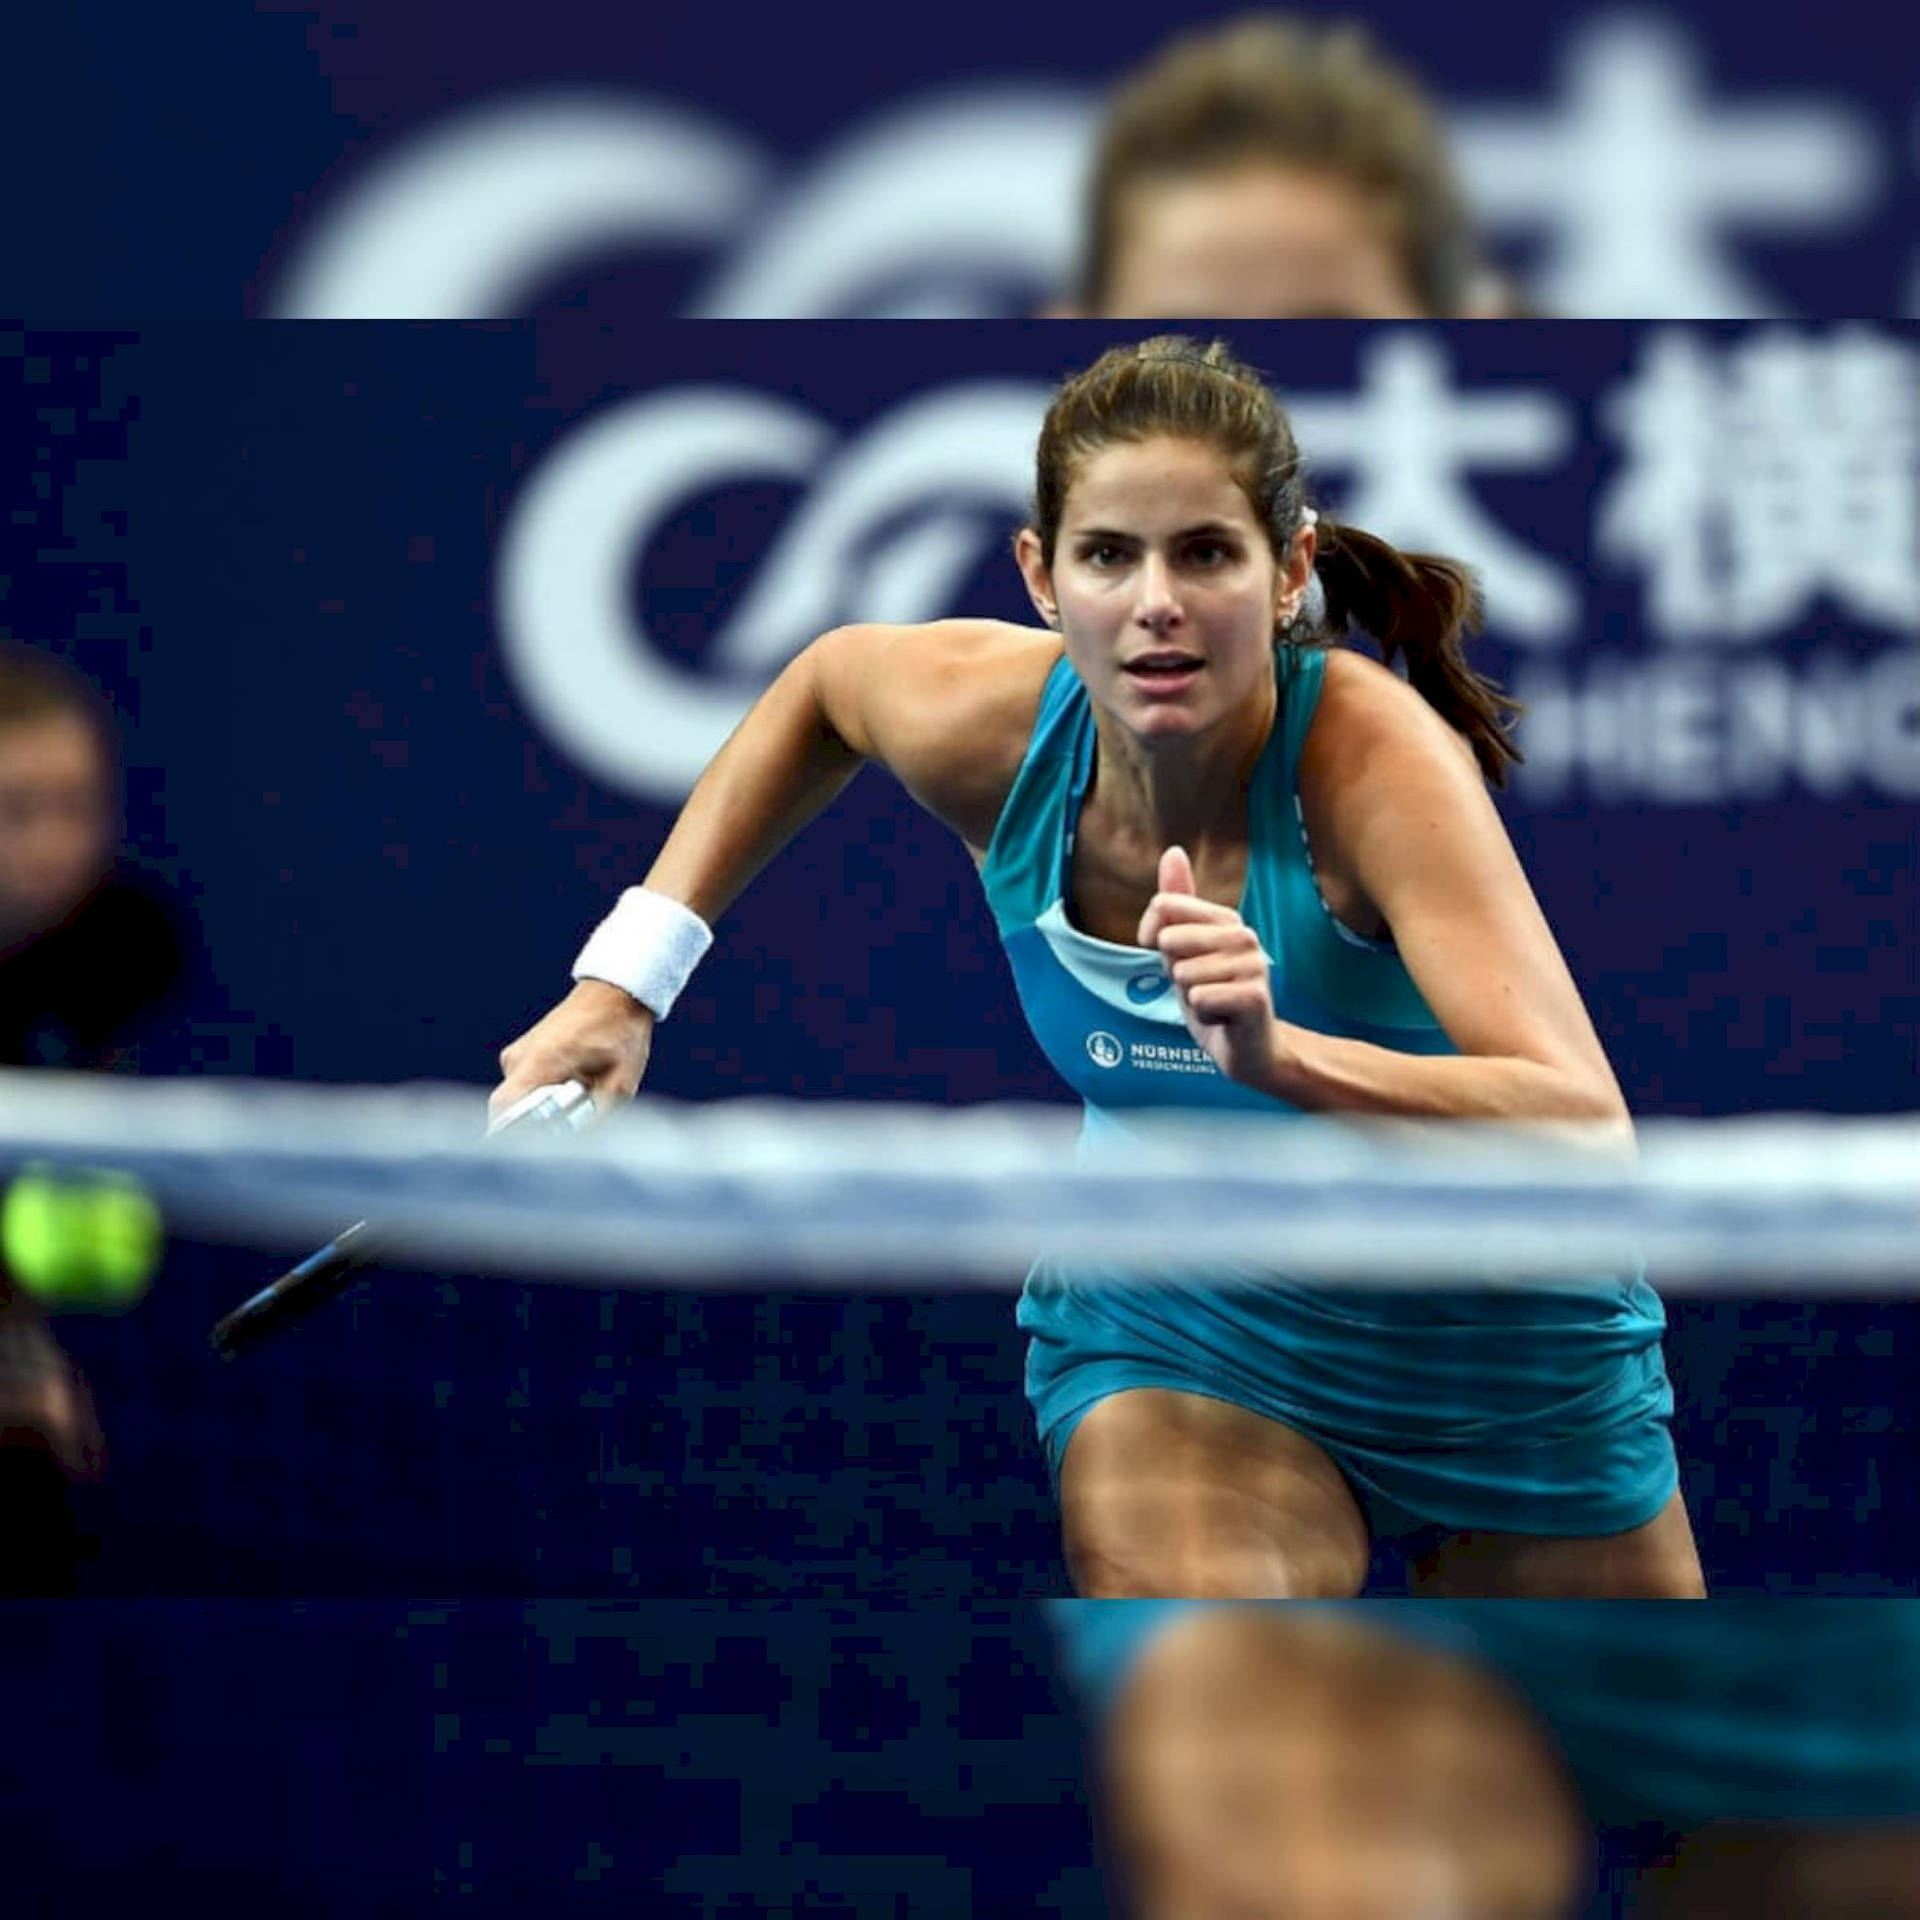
566	1107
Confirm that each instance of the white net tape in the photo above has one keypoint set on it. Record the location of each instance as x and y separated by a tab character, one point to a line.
880	1193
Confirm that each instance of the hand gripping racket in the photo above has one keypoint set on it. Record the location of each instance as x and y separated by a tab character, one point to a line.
557	1109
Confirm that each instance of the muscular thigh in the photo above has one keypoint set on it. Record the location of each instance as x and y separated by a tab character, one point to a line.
1656	1561
1264	1764
1175	1495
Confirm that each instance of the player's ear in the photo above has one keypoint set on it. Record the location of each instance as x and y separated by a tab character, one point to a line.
1292	576
1037	574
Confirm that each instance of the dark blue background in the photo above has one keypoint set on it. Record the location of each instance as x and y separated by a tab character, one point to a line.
274	547
492	1759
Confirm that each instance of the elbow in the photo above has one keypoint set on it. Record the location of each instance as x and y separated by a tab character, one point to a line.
1602	1102
837	670
1593	1108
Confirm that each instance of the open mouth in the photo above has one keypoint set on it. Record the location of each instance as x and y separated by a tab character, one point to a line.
1163	666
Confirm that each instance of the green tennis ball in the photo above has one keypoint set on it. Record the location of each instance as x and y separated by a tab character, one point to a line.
43	1251
86	1239
128	1240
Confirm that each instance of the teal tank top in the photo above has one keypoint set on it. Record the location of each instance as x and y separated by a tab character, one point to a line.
1107	1016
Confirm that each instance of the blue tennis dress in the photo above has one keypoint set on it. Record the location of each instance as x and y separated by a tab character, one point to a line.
1675	1712
1529	1412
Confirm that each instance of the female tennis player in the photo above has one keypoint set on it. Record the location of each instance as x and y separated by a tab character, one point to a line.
1758	1758
1234	865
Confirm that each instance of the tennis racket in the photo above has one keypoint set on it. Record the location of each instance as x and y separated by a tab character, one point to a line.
556	1109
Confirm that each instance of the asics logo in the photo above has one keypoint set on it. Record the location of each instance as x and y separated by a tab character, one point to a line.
1143	989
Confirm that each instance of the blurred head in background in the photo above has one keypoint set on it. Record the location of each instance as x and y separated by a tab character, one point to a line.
1276	169
58	793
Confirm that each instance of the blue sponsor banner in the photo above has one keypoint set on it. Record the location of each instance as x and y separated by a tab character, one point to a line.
421	157
420	634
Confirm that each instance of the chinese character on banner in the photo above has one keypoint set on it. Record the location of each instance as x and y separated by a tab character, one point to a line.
1408	439
1639	175
1764	474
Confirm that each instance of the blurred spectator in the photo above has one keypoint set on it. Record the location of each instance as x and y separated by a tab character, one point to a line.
1277	169
91	960
91	957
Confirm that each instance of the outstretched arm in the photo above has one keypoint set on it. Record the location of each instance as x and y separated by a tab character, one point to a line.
783	763
940	705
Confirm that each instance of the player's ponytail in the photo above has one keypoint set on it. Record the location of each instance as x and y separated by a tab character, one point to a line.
1420	608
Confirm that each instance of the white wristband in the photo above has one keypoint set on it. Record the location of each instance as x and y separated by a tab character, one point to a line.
649	946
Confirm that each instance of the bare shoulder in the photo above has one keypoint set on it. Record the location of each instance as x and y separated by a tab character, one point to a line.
1368	714
947	706
1379	769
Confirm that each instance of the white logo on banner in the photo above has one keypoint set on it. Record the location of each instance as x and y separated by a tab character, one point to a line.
968	203
893	523
1765	482
581	655
466	221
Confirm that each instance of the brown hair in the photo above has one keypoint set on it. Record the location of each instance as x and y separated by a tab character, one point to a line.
36	685
1267	87
1418	606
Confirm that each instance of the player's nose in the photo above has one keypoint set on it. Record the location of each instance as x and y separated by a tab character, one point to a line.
1157	603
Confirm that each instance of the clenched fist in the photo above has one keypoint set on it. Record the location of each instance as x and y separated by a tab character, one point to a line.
1220	971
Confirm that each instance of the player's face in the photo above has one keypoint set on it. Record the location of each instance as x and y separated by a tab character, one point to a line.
56	826
1256	242
1166	589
